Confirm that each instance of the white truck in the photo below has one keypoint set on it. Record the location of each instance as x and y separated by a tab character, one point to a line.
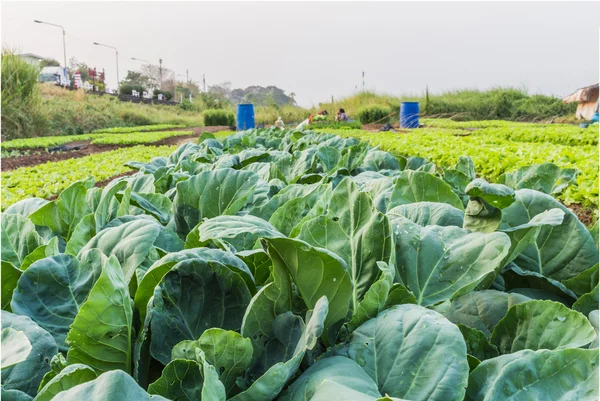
56	75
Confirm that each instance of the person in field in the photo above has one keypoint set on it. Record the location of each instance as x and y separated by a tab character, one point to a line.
320	116
341	116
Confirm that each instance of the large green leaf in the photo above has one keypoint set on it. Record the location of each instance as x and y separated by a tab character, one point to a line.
113	385
336	369
53	289
157	205
105	211
560	252
14	395
240	232
269	385
10	277
101	335
180	380
63	214
412	353
272	300
517	279
560	375
84	231
440	263
481	310
288	218
227	351
316	272
523	235
329	390
27	375
26	206
19	238
130	243
429	214
546	177
541	325
192	297
419	186
16	347
588	302
379	160
483	212
477	343
211	194
381	295
69	377
156	272
354	230
41	252
583	283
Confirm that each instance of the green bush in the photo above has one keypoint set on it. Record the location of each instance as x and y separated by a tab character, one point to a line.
374	114
20	96
126	89
168	95
216	117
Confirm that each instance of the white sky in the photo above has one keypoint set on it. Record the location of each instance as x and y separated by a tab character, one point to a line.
320	49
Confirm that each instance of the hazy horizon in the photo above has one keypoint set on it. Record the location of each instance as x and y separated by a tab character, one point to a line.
317	50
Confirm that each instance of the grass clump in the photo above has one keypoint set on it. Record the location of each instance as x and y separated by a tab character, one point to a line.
374	114
218	117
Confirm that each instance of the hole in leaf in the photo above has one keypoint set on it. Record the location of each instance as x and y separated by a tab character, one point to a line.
336	218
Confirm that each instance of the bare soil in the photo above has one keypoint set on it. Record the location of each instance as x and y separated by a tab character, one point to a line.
585	215
13	163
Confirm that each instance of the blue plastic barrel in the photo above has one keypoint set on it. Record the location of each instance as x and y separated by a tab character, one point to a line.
409	115
245	116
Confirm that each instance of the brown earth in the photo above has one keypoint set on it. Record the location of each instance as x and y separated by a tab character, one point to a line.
585	215
13	163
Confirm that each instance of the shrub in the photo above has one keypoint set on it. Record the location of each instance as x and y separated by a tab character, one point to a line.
168	95
374	114
20	96
216	117
126	89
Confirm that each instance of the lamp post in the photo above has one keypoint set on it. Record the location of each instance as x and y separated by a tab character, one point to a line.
64	41
117	55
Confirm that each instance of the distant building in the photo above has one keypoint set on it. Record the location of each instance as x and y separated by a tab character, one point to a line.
587	99
31	58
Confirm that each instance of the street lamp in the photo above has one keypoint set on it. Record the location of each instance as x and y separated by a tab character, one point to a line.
117	54
139	59
64	42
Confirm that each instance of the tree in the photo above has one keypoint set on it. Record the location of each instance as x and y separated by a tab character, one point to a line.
75	65
135	78
49	62
157	75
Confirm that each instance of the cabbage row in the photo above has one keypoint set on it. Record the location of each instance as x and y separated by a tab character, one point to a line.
287	265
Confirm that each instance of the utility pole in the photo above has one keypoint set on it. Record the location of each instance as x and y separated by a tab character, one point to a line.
203	83
187	77
160	72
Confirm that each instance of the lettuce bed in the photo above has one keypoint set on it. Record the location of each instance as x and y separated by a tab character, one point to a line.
496	151
136	137
49	179
299	266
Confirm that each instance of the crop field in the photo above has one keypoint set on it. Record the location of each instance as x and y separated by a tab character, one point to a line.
499	147
300	265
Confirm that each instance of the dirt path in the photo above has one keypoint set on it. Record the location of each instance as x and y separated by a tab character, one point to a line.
13	163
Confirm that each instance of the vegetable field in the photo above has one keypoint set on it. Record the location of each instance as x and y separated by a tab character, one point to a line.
298	265
499	147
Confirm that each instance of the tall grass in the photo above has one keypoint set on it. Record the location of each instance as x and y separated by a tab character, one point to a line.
495	104
20	95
